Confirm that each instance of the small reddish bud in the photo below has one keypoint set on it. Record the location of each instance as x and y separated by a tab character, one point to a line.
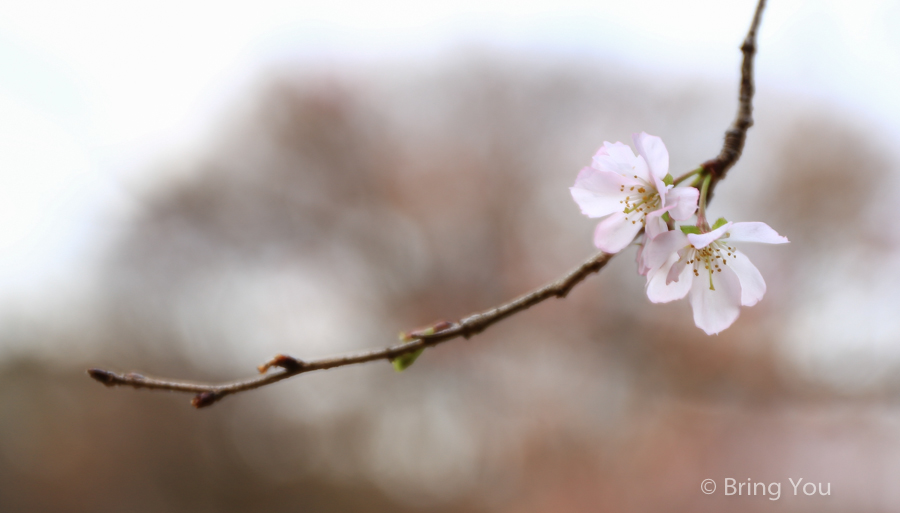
285	362
204	399
425	332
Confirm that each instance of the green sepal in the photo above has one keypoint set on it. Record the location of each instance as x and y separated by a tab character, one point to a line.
689	228
402	362
668	180
666	218
719	223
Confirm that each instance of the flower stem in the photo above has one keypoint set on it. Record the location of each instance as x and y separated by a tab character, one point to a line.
701	212
687	175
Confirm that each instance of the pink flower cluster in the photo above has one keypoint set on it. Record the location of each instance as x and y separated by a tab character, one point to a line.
634	192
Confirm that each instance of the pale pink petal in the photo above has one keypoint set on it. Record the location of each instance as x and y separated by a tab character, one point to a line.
653	223
661	189
678	268
619	158
593	204
620	152
598	193
701	240
642	270
683	201
607	163
658	250
753	286
654	152
715	310
661	290
615	232
755	232
601	181
641	172
634	173
602	151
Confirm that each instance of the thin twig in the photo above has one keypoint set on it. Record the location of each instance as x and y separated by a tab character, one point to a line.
207	394
443	331
737	134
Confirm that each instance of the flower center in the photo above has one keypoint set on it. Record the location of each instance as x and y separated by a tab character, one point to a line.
639	201
706	260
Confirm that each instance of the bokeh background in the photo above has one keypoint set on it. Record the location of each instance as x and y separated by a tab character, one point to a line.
187	189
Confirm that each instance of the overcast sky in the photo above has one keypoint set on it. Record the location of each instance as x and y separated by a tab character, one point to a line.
95	90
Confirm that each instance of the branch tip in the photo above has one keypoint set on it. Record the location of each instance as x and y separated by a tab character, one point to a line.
109	379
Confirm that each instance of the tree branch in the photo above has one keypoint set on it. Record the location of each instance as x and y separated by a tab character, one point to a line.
207	394
443	331
737	134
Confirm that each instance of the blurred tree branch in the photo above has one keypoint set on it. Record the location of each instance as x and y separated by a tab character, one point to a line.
418	340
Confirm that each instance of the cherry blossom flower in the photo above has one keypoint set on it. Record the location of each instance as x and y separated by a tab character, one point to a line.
631	192
718	277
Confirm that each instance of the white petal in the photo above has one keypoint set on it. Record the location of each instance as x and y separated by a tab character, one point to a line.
619	158
755	232
620	152
661	247
683	201
599	180
661	290
615	232
753	286
679	266
653	223
701	240
642	172
715	310
607	163
642	270
661	189
598	193
654	152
